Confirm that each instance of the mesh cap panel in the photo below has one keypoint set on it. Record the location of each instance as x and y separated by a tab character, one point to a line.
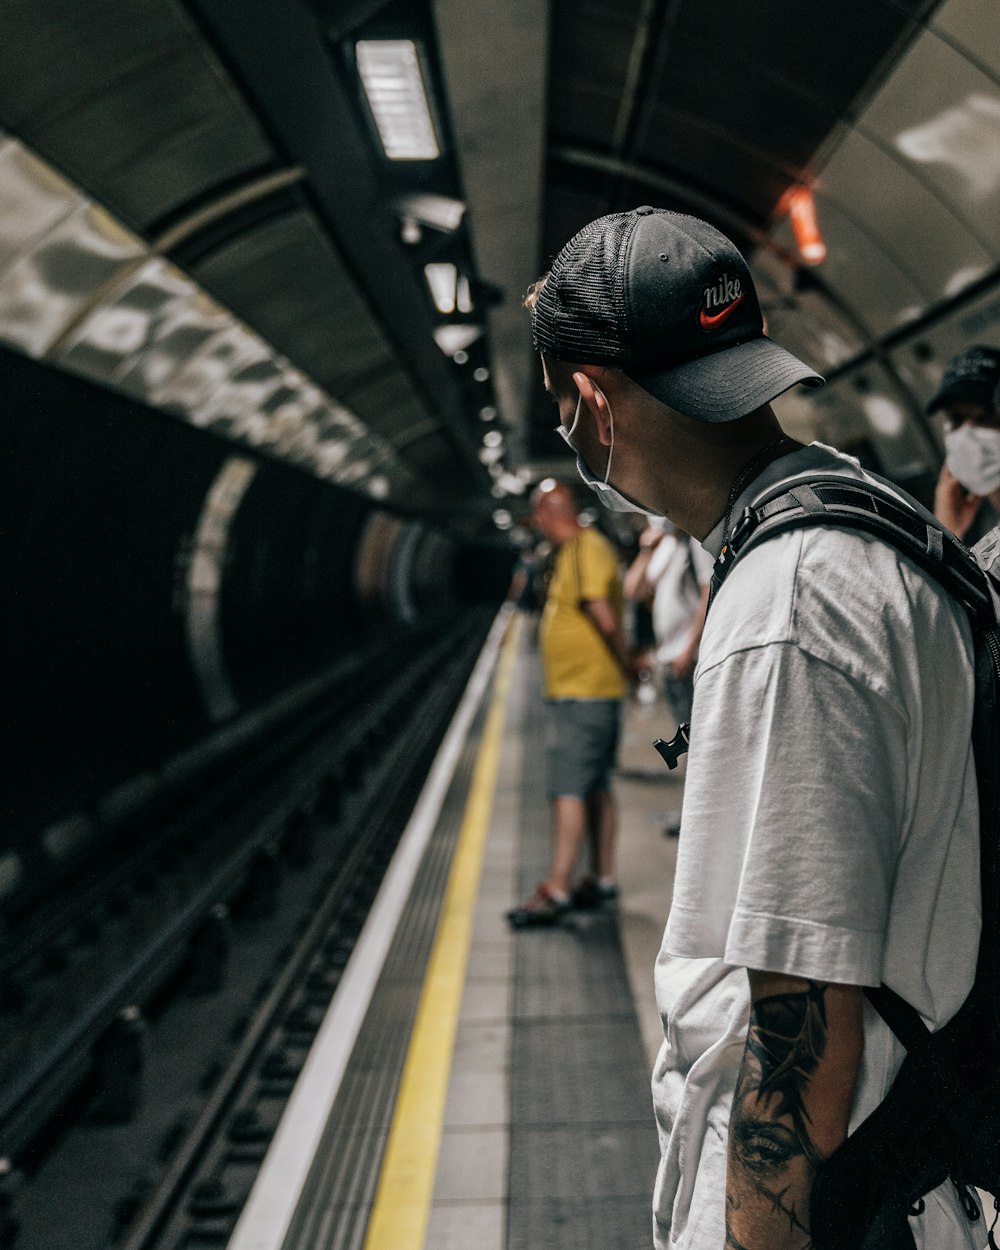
580	312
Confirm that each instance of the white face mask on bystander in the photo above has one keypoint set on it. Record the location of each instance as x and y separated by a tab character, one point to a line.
973	455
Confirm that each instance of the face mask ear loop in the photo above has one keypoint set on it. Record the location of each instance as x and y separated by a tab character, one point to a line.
611	451
576	416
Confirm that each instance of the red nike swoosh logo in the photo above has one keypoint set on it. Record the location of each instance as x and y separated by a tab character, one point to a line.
709	321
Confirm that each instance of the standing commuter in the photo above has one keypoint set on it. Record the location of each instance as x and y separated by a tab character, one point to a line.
586	670
672	572
968	397
830	827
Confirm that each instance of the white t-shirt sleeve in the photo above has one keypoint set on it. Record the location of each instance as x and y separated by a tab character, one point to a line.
794	800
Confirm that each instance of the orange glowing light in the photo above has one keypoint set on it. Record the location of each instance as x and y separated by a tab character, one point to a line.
802	211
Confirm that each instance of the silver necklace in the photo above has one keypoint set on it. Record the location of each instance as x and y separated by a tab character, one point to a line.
743	477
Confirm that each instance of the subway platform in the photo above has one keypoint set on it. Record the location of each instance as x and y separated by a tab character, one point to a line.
473	1088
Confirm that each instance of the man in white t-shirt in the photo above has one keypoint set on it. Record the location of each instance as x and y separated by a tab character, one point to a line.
830	823
673	573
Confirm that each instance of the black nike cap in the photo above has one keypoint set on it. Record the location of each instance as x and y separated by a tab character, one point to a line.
670	301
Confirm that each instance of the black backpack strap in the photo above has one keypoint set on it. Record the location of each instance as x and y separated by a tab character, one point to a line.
857	504
903	1019
906	1023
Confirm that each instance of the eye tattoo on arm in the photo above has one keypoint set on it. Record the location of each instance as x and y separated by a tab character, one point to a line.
772	1157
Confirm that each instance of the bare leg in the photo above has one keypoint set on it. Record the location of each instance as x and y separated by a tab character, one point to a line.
569	824
602	828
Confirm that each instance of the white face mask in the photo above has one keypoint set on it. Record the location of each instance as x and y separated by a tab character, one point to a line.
973	455
609	495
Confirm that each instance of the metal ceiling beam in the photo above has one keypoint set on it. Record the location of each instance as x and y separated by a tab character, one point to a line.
279	56
249	193
642	36
495	63
717	209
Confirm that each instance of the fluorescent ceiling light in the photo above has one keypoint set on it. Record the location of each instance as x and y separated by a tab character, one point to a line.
456	338
378	486
511	484
442	278
394	85
442	212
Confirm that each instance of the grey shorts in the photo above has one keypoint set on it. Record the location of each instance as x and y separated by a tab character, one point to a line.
581	745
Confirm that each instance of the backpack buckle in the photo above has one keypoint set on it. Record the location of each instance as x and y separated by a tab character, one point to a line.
742	530
672	751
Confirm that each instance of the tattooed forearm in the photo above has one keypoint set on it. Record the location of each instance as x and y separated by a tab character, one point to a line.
786	1039
773	1155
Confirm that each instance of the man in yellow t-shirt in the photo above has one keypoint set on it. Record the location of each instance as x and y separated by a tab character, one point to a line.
586	673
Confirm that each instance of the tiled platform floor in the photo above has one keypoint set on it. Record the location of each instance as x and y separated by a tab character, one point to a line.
545	1143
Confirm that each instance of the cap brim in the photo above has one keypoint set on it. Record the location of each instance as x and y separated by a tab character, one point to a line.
730	383
962	392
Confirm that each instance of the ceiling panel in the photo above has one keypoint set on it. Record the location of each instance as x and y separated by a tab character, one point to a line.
940	116
430	453
84	41
387	402
33	198
910	223
776	117
975	26
812	329
593	42
42	295
584	112
589	52
861	272
713	158
283	274
626	12
886	411
816	49
140	114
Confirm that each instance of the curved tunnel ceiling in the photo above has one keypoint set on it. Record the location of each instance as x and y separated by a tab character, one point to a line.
225	142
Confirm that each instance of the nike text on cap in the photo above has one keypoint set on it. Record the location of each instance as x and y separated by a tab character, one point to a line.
669	300
972	377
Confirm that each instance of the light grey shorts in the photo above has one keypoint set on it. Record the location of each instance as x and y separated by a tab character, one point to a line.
581	745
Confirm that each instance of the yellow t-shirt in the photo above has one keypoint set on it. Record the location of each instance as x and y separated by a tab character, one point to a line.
576	660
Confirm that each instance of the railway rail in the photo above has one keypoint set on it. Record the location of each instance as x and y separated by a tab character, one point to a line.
320	798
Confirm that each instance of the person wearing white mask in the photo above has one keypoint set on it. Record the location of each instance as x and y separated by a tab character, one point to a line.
968	397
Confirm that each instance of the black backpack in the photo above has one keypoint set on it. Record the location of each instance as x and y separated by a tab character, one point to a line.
941	1117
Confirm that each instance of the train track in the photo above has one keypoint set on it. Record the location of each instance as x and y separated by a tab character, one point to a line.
323	804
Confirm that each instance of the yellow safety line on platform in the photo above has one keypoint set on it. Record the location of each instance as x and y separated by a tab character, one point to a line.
406	1184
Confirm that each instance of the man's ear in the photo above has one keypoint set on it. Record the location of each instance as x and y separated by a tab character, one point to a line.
597	403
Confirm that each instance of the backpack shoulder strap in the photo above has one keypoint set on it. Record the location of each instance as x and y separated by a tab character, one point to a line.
851	503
